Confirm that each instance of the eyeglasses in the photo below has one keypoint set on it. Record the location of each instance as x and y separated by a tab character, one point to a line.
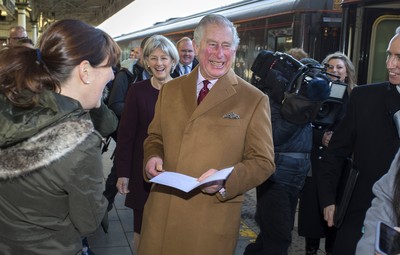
17	38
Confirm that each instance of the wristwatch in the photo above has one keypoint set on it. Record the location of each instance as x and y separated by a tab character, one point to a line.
222	192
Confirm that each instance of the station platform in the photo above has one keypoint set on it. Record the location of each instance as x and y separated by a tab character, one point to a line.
119	238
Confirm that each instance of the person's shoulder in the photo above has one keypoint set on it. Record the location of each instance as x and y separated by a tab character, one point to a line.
372	86
137	67
179	79
248	87
195	63
125	72
370	89
140	85
175	73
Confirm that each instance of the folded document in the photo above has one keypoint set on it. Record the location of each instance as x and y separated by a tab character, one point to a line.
187	183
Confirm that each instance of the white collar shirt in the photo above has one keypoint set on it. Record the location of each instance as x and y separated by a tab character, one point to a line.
200	85
182	68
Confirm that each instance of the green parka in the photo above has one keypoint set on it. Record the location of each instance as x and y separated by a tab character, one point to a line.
51	178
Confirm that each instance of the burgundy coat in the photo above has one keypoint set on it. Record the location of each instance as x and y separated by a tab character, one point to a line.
132	131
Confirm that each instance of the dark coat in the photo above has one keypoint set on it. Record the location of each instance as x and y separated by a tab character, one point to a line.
123	79
136	117
367	132
311	221
177	71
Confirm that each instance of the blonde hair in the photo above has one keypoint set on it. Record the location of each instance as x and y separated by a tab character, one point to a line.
351	79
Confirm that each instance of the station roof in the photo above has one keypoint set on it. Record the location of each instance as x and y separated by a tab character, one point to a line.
93	12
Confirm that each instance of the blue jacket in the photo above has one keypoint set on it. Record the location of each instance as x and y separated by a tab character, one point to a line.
290	138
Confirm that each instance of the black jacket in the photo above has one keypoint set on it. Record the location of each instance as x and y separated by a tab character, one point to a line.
368	134
177	71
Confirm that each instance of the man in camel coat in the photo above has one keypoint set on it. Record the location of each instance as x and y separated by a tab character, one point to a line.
230	127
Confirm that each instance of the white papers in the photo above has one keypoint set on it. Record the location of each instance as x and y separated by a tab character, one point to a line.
187	183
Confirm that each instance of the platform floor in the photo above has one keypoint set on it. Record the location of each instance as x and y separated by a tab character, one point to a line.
118	240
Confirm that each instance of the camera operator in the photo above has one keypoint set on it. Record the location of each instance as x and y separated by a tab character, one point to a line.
311	223
277	197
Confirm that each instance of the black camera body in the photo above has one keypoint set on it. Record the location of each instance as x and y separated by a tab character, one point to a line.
306	92
331	109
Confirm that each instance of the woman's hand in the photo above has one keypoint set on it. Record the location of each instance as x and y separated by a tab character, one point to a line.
329	212
122	185
326	138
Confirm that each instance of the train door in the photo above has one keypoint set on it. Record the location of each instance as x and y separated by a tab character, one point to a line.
368	26
382	31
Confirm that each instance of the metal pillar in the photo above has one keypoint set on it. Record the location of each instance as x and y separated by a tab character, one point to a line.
21	11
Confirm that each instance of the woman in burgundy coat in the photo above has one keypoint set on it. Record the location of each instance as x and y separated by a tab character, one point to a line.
160	57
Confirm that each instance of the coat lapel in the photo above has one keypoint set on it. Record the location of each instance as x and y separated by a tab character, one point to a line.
221	91
189	92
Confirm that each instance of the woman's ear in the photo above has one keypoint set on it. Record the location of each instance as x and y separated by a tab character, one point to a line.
84	71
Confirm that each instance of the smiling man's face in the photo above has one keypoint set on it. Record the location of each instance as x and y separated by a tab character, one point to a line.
216	51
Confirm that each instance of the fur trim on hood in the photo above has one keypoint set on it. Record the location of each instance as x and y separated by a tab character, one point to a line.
44	148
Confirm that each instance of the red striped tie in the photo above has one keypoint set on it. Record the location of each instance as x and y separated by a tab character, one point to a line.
203	92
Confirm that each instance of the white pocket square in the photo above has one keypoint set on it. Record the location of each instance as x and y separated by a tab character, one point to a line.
231	115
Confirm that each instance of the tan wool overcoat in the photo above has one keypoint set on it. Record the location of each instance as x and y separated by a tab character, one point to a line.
231	127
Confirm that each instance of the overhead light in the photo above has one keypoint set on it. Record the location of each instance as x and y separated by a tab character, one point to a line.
3	13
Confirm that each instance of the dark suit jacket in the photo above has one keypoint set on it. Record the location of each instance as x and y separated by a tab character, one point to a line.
177	71
367	132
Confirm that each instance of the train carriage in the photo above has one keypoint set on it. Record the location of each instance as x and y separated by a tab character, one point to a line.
276	25
367	28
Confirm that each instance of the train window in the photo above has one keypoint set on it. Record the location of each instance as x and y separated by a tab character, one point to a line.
382	31
283	43
281	39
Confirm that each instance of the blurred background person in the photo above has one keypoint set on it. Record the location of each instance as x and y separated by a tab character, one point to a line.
134	56
51	177
187	61
25	42
16	33
135	53
311	223
160	57
297	53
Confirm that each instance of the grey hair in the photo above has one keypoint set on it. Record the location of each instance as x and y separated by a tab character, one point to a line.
397	30
219	20
163	43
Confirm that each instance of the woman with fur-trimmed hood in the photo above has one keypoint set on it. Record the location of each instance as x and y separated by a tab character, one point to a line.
51	178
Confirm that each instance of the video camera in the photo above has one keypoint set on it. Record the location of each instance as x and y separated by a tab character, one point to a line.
305	90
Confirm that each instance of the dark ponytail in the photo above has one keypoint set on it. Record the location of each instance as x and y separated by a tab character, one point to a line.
23	77
26	72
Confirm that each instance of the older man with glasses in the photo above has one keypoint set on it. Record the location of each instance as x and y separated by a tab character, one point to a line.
16	33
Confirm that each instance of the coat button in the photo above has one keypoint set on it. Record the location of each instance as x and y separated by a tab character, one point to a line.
319	157
321	147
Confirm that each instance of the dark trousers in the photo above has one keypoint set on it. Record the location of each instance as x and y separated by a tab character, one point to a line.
312	244
276	209
111	189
